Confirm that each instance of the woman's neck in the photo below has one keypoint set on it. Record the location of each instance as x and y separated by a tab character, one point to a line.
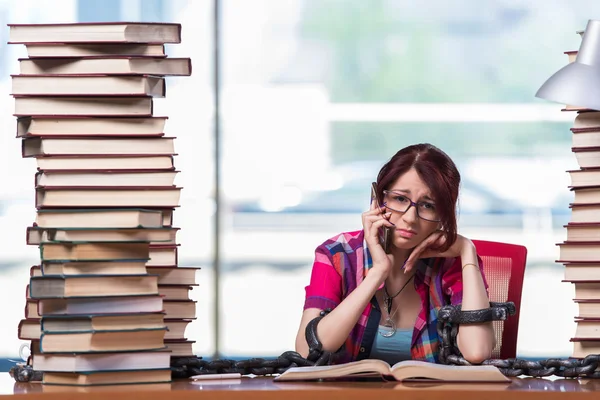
400	256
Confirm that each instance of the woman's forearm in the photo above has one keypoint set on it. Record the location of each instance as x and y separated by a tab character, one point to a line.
475	341
334	329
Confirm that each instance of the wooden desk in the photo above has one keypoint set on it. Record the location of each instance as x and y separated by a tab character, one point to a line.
265	388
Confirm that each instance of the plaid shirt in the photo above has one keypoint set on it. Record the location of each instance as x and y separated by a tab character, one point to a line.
342	262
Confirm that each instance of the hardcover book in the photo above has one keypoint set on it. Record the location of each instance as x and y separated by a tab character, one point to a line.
54	50
77	126
99	32
107	65
83	106
88	85
50	287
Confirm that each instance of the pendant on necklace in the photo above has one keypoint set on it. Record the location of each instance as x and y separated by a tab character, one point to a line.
388	304
391	325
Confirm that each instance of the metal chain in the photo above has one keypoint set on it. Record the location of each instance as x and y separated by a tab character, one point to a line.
25	373
186	367
449	318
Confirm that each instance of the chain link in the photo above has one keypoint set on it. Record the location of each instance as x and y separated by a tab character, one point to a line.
25	373
186	367
449	318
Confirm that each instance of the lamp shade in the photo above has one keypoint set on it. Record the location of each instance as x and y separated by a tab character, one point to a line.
578	83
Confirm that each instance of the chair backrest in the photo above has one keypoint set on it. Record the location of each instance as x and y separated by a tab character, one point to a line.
504	268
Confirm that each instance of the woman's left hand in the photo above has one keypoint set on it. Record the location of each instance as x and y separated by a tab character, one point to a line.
460	247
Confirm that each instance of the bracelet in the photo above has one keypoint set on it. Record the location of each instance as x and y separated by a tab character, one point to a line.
465	265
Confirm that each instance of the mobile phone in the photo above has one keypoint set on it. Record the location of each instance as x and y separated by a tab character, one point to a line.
385	235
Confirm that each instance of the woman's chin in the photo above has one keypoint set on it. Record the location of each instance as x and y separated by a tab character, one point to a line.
404	243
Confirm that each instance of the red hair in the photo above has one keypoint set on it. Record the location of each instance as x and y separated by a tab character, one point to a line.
439	173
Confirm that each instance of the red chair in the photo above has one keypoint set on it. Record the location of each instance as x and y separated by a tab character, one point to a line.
504	268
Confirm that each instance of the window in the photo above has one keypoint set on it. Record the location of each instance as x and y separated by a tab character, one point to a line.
318	95
99	10
315	96
189	107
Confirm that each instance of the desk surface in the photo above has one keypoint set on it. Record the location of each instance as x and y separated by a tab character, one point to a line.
265	388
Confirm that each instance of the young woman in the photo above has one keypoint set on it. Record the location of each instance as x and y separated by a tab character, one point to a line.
385	305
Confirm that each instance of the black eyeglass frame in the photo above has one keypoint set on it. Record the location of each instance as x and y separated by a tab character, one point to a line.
412	203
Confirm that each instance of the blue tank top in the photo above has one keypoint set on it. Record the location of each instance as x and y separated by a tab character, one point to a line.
392	349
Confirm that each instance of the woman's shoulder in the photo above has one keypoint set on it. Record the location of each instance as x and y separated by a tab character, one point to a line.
344	242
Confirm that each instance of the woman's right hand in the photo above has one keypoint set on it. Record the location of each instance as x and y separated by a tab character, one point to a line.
373	220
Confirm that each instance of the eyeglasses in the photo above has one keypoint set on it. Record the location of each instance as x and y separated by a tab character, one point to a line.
400	203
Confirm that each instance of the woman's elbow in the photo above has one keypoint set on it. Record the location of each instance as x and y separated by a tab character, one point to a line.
477	355
477	345
476	350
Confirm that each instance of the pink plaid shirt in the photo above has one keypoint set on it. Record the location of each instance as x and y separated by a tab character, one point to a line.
342	262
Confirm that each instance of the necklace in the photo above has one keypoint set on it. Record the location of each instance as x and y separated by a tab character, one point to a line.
389	321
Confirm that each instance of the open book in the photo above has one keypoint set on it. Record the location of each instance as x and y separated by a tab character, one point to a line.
404	370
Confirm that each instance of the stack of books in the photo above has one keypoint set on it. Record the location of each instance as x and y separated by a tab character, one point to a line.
580	252
107	304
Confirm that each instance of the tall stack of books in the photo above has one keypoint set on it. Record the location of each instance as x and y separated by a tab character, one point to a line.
108	303
580	253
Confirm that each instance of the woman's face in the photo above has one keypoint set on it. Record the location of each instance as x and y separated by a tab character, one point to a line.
410	228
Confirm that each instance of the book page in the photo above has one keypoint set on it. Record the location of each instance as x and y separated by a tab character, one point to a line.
425	370
356	368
